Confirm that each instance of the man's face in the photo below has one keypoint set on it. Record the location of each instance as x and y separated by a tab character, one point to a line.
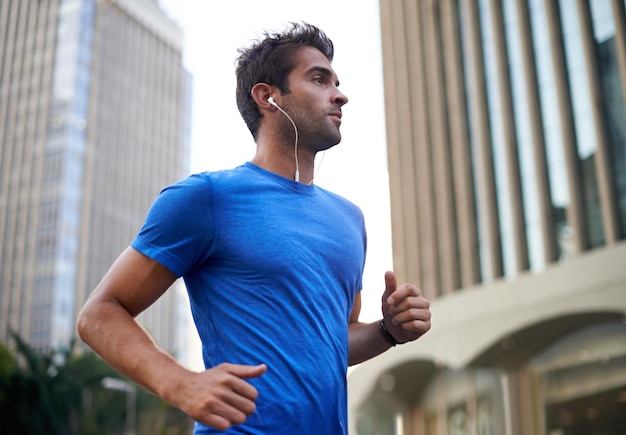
314	101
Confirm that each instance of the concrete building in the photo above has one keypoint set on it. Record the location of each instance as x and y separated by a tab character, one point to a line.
94	122
506	137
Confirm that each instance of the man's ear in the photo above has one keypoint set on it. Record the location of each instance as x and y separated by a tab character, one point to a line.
261	93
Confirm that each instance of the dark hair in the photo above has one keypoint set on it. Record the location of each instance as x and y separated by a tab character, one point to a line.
270	60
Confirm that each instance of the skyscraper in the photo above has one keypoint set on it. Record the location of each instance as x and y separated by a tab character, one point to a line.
506	137
94	122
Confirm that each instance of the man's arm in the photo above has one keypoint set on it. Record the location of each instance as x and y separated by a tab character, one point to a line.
406	314
219	397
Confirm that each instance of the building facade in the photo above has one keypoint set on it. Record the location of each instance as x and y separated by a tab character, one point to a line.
506	131
94	122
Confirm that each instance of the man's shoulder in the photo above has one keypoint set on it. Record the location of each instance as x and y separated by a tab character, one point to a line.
208	179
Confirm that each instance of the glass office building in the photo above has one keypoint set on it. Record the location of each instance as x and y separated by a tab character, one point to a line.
94	114
506	135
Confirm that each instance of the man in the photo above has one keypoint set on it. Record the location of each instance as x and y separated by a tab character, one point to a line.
273	265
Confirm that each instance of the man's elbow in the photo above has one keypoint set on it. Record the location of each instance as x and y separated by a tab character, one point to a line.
82	323
89	317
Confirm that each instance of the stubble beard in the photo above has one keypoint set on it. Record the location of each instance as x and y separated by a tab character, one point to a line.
317	132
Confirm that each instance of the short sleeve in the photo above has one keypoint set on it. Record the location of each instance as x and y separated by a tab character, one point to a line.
179	228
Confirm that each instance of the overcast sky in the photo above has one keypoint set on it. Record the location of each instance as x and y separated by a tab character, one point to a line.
357	167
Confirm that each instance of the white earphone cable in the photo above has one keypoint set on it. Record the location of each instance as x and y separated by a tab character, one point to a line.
295	147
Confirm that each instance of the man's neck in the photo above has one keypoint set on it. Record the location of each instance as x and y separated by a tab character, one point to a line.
281	160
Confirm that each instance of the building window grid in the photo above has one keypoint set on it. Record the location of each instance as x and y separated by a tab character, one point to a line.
584	133
611	87
519	90
456	257
553	139
11	15
466	59
584	128
497	140
449	270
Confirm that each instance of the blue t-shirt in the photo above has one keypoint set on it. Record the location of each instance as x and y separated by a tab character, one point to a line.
272	268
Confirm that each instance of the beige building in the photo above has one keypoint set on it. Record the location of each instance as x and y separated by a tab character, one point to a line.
506	132
94	113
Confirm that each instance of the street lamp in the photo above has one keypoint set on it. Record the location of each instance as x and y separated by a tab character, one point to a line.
131	398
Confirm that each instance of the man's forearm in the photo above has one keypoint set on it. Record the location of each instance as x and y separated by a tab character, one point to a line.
365	342
125	345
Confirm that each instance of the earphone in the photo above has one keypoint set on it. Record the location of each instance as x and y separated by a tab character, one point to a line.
295	129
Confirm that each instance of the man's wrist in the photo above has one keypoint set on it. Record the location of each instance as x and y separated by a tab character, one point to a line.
382	328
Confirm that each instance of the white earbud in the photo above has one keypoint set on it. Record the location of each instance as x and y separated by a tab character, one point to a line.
272	102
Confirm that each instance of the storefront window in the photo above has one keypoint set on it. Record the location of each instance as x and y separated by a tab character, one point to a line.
430	423
458	423
583	382
465	402
485	416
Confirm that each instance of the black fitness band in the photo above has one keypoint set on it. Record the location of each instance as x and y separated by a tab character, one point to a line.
387	335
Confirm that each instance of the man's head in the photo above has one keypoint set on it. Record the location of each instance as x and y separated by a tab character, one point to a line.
270	60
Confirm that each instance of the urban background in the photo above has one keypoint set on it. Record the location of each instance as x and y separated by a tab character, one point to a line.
94	122
506	136
506	145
